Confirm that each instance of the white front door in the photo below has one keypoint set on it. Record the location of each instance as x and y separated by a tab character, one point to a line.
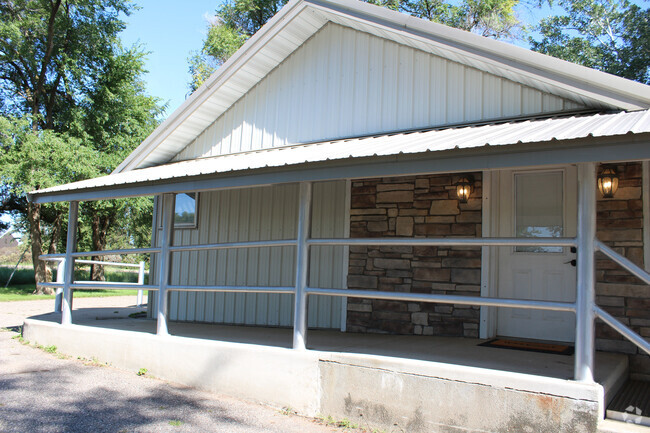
537	204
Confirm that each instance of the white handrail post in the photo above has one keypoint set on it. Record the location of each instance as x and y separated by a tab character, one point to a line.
60	271
302	267
585	299
70	247
140	282
165	262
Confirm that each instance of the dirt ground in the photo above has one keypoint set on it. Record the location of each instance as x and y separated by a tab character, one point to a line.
44	391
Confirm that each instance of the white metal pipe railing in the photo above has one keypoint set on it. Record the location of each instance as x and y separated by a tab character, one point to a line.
99	262
445	299
227	289
100	285
622	329
447	242
234	245
115	252
93	284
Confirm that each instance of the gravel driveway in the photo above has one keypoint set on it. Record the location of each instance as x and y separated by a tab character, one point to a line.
41	392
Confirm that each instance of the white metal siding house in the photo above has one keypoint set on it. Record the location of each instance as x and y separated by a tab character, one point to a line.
324	161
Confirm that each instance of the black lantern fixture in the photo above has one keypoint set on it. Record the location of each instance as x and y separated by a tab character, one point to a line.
464	189
608	182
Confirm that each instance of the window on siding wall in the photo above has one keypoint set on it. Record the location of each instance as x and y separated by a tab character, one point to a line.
185	212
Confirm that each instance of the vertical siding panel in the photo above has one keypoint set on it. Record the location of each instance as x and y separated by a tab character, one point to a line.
551	103
404	88
473	94
275	265
346	79
212	206
455	92
375	85
511	98
231	267
334	83
492	96
531	101
252	261
263	269
289	231
222	227
421	82
389	86
438	88
362	80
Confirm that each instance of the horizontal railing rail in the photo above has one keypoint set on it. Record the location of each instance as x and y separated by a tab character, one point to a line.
116	252
99	262
235	245
101	285
445	299
226	289
447	242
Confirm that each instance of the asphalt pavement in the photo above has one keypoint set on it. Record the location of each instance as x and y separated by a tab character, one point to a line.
48	392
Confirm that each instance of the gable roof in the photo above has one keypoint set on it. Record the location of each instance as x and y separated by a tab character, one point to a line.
300	19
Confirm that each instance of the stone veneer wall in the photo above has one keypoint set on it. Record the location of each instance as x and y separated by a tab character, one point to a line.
417	206
620	225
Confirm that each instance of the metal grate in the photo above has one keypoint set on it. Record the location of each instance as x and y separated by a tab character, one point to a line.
632	403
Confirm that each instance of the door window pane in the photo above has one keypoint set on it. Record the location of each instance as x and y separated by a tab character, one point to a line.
539	208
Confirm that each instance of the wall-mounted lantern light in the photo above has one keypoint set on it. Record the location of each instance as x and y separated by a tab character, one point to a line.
608	182
464	189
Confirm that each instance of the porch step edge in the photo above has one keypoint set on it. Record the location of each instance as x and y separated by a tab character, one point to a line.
615	426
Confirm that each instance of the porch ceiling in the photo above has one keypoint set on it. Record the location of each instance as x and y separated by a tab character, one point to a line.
425	143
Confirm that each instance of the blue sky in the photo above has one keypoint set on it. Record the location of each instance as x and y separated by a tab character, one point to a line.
169	30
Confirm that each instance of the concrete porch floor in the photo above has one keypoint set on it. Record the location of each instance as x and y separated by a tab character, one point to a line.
386	380
610	367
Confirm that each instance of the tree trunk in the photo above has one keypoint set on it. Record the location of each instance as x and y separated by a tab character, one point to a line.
56	233
99	229
40	270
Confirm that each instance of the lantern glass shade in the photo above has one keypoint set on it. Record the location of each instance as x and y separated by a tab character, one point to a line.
463	189
608	182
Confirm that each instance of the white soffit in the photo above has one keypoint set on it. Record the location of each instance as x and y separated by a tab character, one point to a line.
421	141
300	19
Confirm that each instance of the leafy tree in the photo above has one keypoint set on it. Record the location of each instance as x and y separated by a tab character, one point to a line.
609	35
64	74
238	20
491	18
37	159
115	117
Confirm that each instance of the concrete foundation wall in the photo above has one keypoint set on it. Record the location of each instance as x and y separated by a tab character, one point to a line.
412	402
274	376
376	391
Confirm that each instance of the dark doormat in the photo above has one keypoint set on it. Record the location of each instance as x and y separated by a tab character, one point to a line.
530	346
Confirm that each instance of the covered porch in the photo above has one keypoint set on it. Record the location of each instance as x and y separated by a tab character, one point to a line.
333	357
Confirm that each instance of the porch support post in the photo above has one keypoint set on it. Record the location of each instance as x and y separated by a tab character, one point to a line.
302	267
586	290
68	275
165	261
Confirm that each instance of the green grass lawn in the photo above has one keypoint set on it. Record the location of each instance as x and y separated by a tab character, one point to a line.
23	292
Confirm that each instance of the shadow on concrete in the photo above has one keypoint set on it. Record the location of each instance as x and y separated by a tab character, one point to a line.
61	400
